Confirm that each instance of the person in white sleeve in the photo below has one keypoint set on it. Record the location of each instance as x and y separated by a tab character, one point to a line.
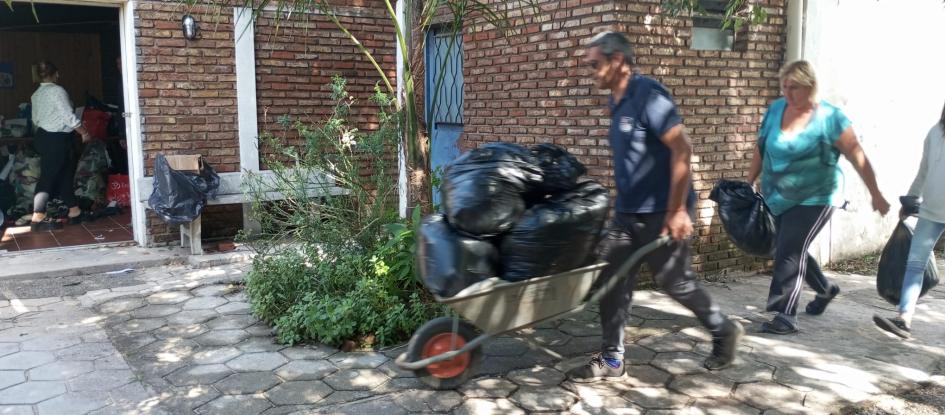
929	185
55	124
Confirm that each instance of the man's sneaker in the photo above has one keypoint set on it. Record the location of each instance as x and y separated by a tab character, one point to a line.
596	369
893	325
724	346
818	305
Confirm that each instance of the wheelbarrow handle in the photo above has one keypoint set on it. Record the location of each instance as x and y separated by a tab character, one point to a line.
627	265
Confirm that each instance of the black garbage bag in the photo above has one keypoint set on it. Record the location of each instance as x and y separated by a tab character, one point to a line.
556	235
745	217
892	266
450	261
560	170
179	197
482	189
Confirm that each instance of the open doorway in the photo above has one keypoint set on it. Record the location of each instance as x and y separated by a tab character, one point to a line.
84	43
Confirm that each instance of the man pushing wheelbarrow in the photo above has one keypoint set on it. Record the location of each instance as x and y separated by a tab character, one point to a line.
523	215
651	153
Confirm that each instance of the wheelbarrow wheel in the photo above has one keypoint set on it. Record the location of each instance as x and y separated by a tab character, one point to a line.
436	337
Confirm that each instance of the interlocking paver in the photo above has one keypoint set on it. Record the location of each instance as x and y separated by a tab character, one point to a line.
358	360
168	297
211	355
199	375
246	383
230	322
11	377
188	317
356	379
203	303
746	370
138	325
308	352
72	403
51	342
260	344
169	350
306	370
597	389
132	342
8	348
101	380
301	392
657	398
488	406
221	337
259	329
121	305
235	308
702	385
230	405
505	346
428	401
679	363
86	351
724	406
606	405
25	360
215	290
256	362
31	392
580	328
767	395
536	376
112	361
155	311
488	388
186	399
61	370
674	342
179	331
543	398
17	410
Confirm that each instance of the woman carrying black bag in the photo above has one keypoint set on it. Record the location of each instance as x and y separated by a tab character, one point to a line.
802	139
929	184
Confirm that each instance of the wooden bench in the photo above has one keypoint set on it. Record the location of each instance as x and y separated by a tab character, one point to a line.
231	191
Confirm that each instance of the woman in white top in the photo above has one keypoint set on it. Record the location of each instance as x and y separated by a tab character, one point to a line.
929	184
55	121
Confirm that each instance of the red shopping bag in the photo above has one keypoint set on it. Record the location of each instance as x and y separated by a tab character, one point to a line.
119	190
96	122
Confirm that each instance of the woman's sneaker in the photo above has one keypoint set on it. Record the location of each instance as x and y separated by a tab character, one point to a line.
598	368
894	325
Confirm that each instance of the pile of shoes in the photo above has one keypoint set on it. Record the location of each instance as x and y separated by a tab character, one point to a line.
511	212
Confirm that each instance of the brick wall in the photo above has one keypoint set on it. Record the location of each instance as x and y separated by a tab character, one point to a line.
530	88
187	89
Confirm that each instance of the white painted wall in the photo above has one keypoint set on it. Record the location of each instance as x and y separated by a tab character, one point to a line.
882	61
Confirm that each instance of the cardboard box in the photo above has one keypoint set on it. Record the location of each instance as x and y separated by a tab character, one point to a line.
186	162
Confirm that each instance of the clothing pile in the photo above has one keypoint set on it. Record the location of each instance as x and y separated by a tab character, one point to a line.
511	212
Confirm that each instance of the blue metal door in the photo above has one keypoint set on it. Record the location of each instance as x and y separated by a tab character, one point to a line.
444	97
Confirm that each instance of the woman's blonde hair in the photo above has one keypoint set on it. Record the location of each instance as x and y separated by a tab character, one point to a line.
801	72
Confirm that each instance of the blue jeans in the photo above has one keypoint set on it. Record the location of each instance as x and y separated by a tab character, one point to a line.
923	240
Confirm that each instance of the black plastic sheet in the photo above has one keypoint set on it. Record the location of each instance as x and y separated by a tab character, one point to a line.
560	170
483	189
179	197
449	261
556	235
745	217
892	266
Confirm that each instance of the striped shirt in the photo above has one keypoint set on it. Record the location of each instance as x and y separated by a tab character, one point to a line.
52	109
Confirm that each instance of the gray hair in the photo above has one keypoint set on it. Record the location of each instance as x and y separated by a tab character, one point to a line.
611	43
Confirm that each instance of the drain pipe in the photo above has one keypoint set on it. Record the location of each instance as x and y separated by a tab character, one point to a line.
401	155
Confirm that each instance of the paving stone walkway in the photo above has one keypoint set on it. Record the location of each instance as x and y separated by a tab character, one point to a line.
184	342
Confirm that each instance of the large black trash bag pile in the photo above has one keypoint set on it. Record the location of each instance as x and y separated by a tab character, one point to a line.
450	261
559	169
745	217
482	189
556	235
892	266
179	196
487	229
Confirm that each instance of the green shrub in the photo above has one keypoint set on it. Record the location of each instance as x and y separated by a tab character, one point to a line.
341	267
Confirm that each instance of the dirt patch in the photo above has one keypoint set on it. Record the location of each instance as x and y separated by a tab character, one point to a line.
864	265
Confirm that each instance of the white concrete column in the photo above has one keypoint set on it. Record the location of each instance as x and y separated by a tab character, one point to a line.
244	35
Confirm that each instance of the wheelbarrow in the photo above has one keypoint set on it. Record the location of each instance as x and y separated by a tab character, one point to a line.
445	352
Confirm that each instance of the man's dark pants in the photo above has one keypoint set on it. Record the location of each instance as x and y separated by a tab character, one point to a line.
672	271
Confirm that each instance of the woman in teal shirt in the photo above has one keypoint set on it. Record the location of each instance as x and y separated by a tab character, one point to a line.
799	144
